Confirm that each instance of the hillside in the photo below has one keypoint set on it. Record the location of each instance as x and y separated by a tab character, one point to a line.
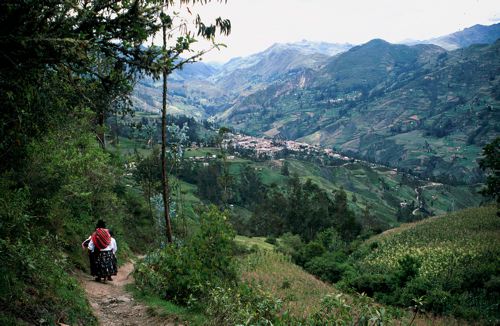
404	106
201	90
449	259
385	192
304	297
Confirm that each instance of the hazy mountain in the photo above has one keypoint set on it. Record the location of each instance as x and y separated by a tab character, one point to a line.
248	74
308	47
477	34
415	107
198	70
201	89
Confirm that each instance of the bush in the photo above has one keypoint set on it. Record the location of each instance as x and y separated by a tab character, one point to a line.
373	283
336	310
408	269
34	285
185	273
290	245
271	240
242	305
329	267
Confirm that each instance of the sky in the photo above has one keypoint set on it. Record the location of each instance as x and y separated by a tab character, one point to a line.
257	24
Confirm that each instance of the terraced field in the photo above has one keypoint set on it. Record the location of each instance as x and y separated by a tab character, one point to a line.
445	244
450	262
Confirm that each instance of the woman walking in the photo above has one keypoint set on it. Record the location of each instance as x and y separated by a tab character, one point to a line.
101	253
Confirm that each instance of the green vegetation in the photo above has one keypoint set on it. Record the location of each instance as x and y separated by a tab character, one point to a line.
188	271
326	252
448	262
66	67
254	242
163	308
309	301
66	75
491	163
68	183
420	109
300	291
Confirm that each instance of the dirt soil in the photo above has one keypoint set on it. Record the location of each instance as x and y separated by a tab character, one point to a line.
113	305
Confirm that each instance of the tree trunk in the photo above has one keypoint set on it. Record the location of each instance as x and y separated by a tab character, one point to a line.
100	127
164	174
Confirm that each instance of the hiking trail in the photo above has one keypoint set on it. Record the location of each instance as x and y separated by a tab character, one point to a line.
113	305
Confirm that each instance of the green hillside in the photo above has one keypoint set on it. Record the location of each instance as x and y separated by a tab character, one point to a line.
450	262
379	189
407	107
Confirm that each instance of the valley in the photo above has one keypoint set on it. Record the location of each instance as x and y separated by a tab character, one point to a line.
407	107
384	191
296	183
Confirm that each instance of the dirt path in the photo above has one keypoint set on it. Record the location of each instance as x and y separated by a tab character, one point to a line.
112	305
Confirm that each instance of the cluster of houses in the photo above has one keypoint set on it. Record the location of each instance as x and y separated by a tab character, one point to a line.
272	148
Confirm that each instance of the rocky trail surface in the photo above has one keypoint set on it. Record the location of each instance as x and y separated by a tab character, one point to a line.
113	305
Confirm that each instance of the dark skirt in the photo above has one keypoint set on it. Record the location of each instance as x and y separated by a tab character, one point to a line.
115	264
102	264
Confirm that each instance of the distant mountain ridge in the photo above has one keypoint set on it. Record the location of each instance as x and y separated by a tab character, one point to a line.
419	107
202	89
477	34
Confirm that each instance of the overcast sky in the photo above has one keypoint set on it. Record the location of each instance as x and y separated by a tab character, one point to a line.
257	24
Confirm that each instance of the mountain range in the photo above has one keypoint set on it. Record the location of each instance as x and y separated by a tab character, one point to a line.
427	108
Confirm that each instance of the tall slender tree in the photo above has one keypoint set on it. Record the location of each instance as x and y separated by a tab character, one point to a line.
172	60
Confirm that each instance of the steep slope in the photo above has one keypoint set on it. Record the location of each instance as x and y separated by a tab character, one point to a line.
451	261
367	65
257	71
408	107
202	89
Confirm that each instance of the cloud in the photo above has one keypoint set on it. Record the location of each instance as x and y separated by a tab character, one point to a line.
257	24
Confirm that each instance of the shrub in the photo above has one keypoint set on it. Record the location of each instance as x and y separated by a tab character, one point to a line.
290	245
242	305
329	267
373	283
34	285
271	240
408	269
185	273
336	310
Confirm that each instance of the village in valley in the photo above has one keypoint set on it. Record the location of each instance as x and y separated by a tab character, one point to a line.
238	145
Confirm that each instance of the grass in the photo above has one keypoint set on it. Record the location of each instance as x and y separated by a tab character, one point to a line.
300	291
185	194
258	242
192	152
166	309
127	147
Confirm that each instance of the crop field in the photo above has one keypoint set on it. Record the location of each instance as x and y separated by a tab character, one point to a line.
447	246
303	295
300	291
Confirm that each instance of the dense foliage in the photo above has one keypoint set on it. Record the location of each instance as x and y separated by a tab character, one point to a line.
450	263
491	163
189	270
68	183
302	208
